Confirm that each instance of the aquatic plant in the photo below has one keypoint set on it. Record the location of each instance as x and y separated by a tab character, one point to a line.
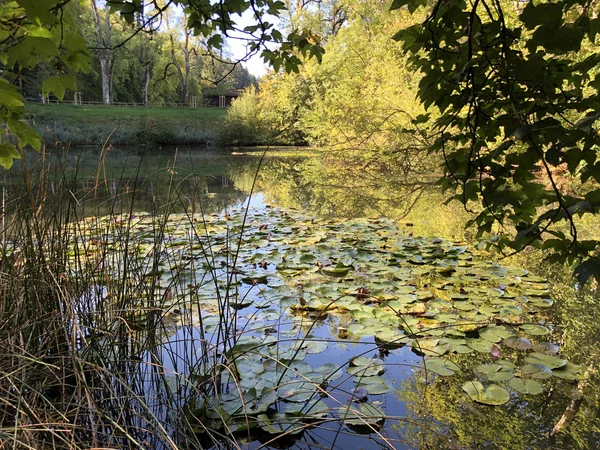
214	327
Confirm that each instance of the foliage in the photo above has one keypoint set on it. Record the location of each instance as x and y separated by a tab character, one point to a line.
518	98
30	33
47	42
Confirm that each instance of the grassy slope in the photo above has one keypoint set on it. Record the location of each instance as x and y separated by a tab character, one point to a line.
93	125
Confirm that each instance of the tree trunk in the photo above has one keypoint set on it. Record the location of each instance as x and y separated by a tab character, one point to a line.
105	53
178	67
573	407
186	54
146	83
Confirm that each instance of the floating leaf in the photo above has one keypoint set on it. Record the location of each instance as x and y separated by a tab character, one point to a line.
280	423
538	371
494	372
546	348
480	345
374	385
494	333
361	414
550	361
522	386
441	366
536	330
569	371
518	342
490	395
315	408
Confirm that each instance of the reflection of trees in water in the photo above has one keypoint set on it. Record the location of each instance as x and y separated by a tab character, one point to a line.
336	184
564	416
126	182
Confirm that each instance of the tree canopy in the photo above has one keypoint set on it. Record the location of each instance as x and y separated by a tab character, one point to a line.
517	90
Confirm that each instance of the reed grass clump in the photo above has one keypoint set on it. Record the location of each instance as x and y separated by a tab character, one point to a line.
121	329
84	327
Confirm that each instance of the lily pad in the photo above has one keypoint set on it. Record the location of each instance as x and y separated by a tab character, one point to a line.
536	330
361	414
494	372
569	371
280	423
524	386
480	345
441	366
546	348
494	333
374	385
538	371
519	343
491	395
550	361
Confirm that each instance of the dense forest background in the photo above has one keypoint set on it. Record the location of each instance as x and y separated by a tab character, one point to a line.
149	61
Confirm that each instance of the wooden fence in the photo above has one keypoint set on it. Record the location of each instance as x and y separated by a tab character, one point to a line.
194	103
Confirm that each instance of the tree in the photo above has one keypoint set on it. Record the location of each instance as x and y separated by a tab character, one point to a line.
517	93
106	51
38	31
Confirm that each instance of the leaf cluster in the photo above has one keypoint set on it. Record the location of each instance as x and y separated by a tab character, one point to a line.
518	92
32	31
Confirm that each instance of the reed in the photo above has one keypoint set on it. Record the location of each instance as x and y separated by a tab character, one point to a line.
96	352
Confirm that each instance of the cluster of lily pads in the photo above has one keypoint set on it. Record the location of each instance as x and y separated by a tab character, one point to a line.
287	277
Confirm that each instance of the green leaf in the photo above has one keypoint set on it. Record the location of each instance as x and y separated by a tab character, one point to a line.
588	269
441	366
25	133
58	85
8	153
492	395
530	387
550	361
361	414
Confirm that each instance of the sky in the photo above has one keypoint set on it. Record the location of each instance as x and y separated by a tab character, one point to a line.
254	65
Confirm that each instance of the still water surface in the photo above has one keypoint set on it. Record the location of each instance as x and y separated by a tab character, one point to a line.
423	410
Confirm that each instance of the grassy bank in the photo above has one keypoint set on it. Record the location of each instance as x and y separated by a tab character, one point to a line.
93	125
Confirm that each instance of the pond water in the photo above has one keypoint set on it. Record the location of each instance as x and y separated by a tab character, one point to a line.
316	314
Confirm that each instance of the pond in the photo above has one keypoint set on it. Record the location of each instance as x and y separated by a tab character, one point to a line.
280	301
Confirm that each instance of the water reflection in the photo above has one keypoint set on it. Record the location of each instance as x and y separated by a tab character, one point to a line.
433	411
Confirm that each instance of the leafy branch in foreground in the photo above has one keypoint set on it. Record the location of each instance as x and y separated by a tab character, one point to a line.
31	32
518	96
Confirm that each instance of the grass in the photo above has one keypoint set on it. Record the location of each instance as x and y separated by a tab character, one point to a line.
63	124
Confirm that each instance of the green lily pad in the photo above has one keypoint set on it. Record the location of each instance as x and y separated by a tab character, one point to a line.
519	343
550	361
361	414
366	371
546	348
494	372
314	408
480	345
298	391
374	385
494	333
441	366
569	371
280	423
538	371
491	395
536	330
313	347
530	387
